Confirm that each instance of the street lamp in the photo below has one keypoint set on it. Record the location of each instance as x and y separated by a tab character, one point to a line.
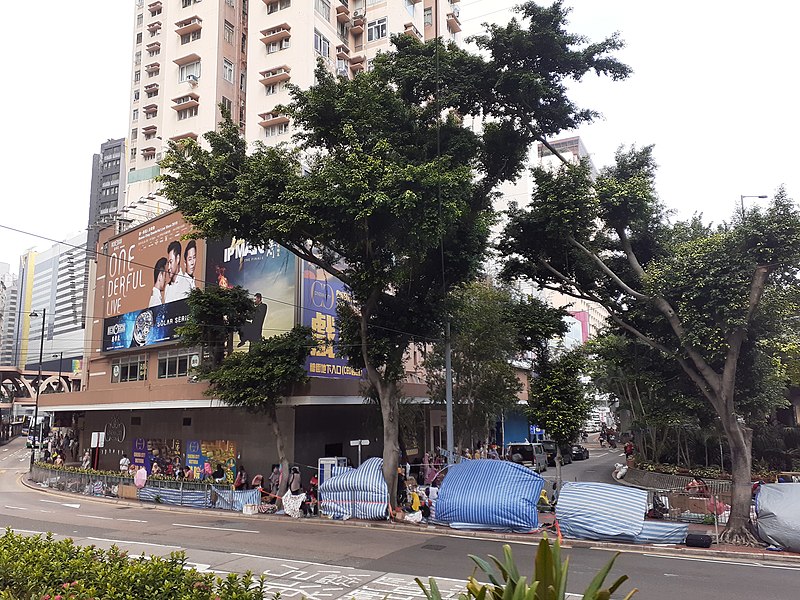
36	435
60	356
741	199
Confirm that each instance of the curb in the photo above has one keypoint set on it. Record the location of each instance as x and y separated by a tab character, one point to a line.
527	538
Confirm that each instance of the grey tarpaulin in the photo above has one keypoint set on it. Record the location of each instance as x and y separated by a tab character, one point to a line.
778	508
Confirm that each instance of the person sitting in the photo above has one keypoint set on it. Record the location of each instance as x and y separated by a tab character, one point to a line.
188	472
155	469
219	474
697	487
58	461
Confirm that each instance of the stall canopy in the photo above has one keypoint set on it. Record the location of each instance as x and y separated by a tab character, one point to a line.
489	494
778	509
601	511
355	493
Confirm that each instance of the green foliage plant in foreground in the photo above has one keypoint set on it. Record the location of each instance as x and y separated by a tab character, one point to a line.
549	580
42	568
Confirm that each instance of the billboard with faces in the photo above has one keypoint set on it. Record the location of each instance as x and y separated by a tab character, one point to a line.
146	274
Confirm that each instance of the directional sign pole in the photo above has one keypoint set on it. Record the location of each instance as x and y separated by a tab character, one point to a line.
359	443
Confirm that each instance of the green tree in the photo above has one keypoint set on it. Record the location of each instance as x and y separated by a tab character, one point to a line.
703	298
259	380
558	400
387	189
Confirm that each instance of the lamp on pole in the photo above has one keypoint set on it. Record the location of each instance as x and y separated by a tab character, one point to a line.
741	199
36	435
60	356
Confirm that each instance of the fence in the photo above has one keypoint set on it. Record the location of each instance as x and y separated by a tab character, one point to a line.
195	494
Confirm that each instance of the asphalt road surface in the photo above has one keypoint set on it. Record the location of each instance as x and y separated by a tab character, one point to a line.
326	560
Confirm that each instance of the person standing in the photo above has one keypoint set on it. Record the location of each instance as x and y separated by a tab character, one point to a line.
124	463
86	461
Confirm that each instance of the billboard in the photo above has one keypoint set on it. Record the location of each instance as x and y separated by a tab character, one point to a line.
268	272
321	294
146	274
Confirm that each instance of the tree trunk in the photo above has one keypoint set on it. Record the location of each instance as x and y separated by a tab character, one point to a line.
391	439
281	448
740	440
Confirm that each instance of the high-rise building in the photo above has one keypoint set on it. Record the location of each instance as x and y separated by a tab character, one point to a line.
8	313
52	280
107	188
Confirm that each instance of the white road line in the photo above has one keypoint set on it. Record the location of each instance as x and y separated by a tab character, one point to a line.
132	520
132	542
96	517
14	529
736	563
16	507
61	503
223	529
288	560
45	511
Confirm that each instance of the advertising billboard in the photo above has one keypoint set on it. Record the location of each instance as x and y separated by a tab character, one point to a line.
269	273
146	275
321	295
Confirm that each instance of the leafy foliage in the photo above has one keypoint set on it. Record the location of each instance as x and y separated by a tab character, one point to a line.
42	567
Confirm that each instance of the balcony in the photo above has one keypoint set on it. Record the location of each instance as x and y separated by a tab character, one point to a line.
356	67
184	136
189	25
153	67
358	25
149	153
187	101
411	29
276	34
356	59
342	13
185	60
154	8
154	27
453	23
269	119
153	47
342	52
150	129
276	75
150	109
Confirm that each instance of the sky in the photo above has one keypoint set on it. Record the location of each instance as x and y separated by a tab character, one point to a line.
712	88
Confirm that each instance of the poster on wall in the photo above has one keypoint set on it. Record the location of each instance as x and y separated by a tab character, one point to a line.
321	294
212	453
146	275
167	453
268	272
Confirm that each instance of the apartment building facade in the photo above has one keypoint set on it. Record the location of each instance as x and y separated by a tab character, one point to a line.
9	294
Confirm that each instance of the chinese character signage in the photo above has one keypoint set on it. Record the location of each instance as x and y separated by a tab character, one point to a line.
321	294
269	273
145	275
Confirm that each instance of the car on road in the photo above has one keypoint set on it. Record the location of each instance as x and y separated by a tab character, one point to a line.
550	448
529	455
579	452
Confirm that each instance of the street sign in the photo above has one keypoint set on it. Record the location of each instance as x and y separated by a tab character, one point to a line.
359	442
98	439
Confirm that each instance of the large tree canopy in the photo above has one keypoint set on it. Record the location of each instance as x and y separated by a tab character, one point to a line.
705	298
386	188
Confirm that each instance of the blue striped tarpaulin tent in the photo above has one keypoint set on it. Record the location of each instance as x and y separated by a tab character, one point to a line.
490	494
356	493
195	498
228	499
602	511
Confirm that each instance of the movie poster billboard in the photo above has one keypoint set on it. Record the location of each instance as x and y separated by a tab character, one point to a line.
212	453
321	295
167	453
146	274
268	272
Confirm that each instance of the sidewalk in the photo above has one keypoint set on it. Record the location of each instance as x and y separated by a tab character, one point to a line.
715	552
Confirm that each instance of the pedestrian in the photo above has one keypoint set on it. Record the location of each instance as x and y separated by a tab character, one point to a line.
86	461
219	474
275	482
296	489
124	463
242	481
628	449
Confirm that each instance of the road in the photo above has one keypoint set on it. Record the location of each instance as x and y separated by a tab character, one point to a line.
325	560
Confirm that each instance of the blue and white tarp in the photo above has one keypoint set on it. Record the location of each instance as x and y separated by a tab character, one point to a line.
356	493
602	511
489	494
194	498
778	507
228	499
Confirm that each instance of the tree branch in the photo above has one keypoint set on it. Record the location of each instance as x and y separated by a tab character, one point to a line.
605	268
626	246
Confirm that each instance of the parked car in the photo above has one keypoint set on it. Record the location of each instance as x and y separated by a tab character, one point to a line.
530	455
579	452
550	448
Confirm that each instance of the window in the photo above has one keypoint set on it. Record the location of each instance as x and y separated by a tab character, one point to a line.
135	95
321	44
285	3
155	10
427	15
137	76
230	2
228	33
139	38
189	70
135	114
187	113
410	7
274	130
133	153
134	133
323	8
176	363
151	115
271	89
139	20
149	135
154	51
190	37
243	80
187	3
376	29
153	72
187	421
152	93
136	420
227	70
276	46
129	368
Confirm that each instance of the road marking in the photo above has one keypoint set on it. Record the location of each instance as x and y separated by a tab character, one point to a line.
289	560
736	563
16	507
216	528
96	517
599	455
26	531
61	503
132	520
45	511
132	542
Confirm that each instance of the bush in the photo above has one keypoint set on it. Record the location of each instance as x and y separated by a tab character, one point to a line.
548	582
42	568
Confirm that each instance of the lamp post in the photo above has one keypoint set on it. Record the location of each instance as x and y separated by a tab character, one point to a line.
60	356
36	435
741	199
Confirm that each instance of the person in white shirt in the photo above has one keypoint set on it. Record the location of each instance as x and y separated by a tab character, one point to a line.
190	261
124	463
178	286
159	282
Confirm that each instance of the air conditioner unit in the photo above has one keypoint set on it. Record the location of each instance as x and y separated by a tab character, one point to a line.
358	14
342	71
192	78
